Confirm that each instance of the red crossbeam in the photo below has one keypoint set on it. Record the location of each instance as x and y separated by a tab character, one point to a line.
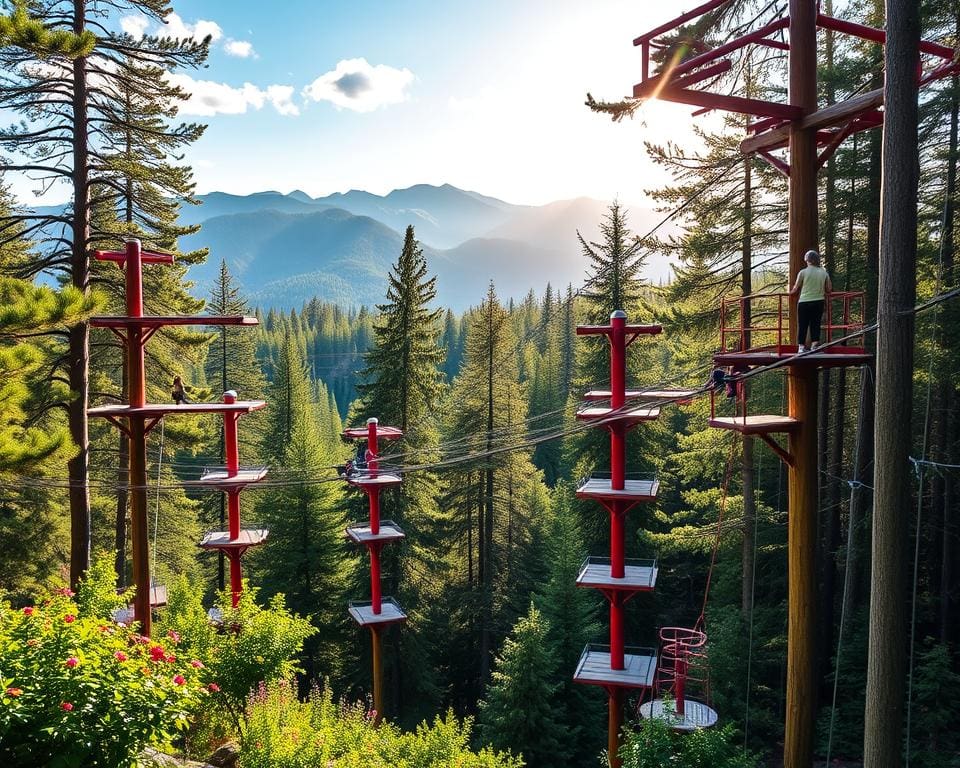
145	256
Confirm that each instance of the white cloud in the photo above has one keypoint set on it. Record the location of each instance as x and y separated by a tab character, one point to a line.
208	98
242	49
355	84
135	26
174	26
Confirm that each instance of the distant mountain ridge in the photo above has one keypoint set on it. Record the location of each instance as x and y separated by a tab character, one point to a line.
287	248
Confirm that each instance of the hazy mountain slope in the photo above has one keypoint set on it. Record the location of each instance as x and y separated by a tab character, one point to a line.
222	204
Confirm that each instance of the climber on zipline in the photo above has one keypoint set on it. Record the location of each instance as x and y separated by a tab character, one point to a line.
813	284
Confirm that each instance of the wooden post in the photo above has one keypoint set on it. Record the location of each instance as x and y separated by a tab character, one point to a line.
614	721
886	660
802	398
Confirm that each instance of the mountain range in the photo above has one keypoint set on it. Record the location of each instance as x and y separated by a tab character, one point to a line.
286	248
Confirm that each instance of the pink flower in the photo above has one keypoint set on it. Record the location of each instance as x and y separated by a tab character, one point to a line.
14	692
66	706
196	664
179	679
170	658
69	618
214	688
32	642
120	656
175	636
28	611
72	662
66	592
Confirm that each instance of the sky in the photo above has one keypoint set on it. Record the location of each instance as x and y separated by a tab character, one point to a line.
486	95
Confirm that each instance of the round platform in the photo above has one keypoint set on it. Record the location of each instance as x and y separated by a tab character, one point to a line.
695	714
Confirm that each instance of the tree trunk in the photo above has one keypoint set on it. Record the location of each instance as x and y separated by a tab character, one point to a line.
485	639
78	467
886	662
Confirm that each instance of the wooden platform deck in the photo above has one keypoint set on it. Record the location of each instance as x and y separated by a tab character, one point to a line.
640	664
756	424
365	481
383	433
647	395
607	414
830	357
639	575
122	410
362	612
360	533
158	321
696	715
633	490
217	477
249	537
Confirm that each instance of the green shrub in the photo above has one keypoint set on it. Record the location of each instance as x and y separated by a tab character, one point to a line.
76	689
655	745
283	732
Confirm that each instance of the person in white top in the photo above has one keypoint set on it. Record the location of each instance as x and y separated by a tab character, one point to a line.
813	284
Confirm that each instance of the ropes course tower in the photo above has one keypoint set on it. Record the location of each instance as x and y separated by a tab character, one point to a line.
377	612
617	668
810	135
137	417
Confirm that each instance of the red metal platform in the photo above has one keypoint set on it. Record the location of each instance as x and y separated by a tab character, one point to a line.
366	481
360	433
361	611
609	415
219	477
594	668
249	537
646	395
362	533
639	575
633	490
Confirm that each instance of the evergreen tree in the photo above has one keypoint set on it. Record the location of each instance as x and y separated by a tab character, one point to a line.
615	267
305	556
519	712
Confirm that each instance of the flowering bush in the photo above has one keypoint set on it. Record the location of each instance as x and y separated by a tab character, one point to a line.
283	732
77	689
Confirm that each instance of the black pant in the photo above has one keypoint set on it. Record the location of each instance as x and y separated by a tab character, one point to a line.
809	314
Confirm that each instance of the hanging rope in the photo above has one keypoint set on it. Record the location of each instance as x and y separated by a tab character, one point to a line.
855	485
156	514
716	542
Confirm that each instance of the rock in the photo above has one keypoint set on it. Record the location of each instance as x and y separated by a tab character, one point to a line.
226	756
157	759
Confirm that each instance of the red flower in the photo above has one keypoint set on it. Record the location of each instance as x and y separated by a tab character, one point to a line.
175	636
120	656
214	688
157	653
196	664
170	658
179	679
72	662
69	618
14	692
66	706
28	611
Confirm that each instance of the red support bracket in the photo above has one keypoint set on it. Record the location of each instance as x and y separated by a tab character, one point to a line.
776	163
784	455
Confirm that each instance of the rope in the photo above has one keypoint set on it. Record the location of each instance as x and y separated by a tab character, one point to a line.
716	543
855	485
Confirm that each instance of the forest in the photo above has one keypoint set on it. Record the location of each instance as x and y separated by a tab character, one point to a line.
491	453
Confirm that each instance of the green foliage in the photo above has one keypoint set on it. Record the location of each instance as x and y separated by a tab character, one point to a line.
520	710
283	732
77	689
655	745
249	645
19	29
934	741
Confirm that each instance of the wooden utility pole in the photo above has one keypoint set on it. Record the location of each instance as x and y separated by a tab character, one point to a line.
886	663
802	403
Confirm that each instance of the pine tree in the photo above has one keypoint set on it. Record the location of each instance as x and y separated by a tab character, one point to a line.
519	712
615	266
72	128
305	556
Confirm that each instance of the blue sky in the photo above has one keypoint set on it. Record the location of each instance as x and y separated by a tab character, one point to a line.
328	96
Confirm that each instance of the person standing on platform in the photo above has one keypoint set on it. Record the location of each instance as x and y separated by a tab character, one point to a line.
813	285
179	393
